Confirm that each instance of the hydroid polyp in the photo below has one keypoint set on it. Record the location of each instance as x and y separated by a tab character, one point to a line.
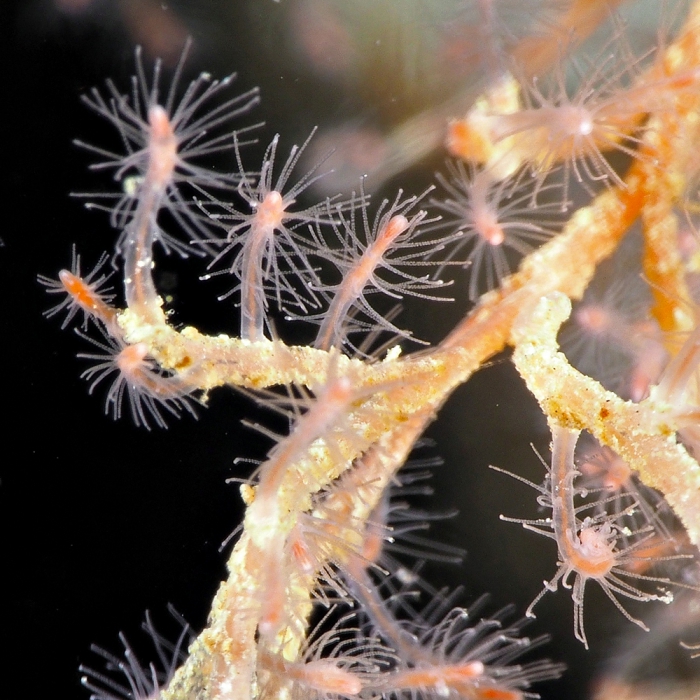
578	128
165	138
494	220
269	255
148	390
589	546
88	294
163	143
377	258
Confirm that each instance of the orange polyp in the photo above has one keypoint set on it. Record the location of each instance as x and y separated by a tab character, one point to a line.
467	143
77	289
86	297
589	567
496	694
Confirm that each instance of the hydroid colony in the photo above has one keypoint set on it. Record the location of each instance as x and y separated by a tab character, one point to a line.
319	524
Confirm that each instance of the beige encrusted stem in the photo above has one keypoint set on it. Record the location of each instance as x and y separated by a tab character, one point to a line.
671	139
637	432
593	232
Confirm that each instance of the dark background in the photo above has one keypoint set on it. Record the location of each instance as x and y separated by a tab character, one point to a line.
101	520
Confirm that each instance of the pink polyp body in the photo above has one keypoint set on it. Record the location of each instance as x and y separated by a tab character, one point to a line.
252	292
577	128
596	319
588	552
532	133
590	549
487	226
607	469
274	592
618	475
568	122
497	218
131	361
139	288
326	677
563	512
162	149
357	278
141	294
137	371
326	411
163	143
270	212
376	533
484	210
547	135
444	678
139	379
269	216
406	644
394	228
649	363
